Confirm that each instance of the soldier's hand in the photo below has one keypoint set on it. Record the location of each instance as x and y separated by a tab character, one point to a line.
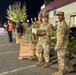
56	48
33	37
43	33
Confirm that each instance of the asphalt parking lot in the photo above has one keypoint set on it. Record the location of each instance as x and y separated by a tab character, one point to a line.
11	65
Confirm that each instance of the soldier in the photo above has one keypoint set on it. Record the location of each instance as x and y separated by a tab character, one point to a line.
61	46
36	24
42	48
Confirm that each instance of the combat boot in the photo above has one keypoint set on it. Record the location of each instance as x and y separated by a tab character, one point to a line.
70	69
46	65
39	63
58	73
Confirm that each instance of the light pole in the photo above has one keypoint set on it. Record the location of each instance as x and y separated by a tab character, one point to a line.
35	18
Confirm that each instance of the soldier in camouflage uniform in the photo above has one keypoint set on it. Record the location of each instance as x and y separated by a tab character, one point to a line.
34	36
42	48
61	46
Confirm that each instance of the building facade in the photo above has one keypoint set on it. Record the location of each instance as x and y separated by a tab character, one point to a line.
68	6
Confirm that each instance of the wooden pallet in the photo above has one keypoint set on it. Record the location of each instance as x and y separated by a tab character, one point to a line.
18	39
26	50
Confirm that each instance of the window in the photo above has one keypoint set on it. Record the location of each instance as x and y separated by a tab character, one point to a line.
54	13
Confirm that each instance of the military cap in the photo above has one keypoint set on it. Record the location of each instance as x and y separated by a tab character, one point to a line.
60	13
40	15
46	15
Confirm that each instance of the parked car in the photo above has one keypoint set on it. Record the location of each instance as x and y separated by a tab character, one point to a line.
72	33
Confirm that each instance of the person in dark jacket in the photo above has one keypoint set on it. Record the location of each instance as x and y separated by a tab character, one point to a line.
20	29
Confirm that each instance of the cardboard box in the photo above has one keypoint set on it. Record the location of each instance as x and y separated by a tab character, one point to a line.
37	31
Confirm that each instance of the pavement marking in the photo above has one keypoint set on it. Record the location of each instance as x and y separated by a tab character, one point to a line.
6	44
8	52
15	70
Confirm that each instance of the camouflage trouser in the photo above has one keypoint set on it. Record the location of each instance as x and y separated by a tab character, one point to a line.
42	51
34	42
34	49
62	59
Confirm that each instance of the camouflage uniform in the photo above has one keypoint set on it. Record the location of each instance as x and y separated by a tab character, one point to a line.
62	42
42	48
35	25
35	37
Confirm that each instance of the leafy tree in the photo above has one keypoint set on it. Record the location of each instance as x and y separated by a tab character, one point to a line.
17	12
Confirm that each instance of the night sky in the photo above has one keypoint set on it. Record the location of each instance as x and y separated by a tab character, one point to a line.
32	6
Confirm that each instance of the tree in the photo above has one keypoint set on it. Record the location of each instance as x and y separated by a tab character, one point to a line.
17	12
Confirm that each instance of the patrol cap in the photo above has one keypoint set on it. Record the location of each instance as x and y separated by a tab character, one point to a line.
60	13
40	15
46	15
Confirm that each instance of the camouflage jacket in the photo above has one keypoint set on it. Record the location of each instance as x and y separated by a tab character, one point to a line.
35	25
49	31
62	35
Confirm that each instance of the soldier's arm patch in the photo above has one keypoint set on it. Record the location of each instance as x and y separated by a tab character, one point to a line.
62	32
60	36
50	30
